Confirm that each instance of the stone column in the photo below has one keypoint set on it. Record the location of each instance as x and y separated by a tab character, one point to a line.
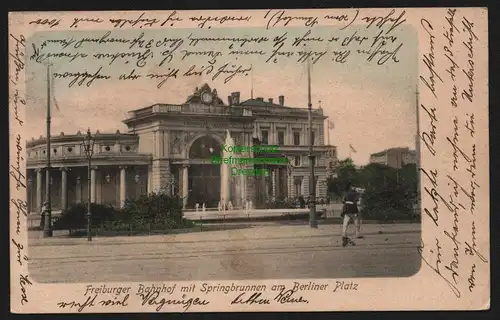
92	184
265	189
303	186
149	183
289	186
274	180
64	188
278	182
123	185
38	190
243	190
185	185
78	190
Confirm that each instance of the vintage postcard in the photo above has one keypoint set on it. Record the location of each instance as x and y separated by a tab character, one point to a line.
260	160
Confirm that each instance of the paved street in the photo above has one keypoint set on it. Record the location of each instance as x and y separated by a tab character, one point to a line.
251	252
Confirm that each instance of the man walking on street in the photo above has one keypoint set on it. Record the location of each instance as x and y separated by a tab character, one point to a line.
350	211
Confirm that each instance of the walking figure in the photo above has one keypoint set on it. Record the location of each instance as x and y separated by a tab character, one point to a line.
203	207
196	206
350	211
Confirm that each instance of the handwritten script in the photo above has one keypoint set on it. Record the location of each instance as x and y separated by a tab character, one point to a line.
17	62
449	194
157	50
157	57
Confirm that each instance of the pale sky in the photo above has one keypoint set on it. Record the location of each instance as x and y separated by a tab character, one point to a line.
372	107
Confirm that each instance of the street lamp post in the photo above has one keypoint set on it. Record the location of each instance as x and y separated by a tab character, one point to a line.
312	180
88	147
47	226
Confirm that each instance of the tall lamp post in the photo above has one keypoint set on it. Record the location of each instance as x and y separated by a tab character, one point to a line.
312	180
88	147
47	228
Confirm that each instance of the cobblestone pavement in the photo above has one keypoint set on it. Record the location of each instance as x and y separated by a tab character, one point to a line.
255	252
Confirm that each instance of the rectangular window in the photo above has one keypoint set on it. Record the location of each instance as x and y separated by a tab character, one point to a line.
296	161
281	138
298	188
313	138
265	137
296	138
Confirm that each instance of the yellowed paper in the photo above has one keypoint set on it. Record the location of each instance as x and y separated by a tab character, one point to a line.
158	89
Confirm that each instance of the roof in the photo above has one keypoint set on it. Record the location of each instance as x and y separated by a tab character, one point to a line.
267	107
262	103
398	149
80	136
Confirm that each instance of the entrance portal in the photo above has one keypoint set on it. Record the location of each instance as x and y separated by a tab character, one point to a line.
204	179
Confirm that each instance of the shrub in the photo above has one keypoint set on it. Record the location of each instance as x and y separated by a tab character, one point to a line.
153	208
385	203
76	216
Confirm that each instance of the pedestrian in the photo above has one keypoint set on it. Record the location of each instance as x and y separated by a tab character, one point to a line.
349	211
43	213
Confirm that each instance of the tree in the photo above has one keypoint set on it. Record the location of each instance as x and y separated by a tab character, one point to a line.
376	175
408	179
345	175
389	192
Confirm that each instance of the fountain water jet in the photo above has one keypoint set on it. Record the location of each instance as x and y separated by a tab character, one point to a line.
225	176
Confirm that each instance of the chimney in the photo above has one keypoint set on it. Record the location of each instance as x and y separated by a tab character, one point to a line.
235	98
229	101
281	100
270	100
259	99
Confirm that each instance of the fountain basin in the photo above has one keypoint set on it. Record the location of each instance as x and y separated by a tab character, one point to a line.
242	214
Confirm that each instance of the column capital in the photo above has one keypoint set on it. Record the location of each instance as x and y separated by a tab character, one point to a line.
38	170
185	165
94	167
64	168
123	167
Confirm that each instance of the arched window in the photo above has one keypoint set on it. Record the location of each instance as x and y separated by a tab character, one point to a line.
204	148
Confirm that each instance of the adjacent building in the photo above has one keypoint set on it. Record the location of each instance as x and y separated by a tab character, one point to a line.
169	147
394	157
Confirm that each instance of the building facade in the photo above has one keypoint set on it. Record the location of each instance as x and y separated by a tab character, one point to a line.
394	157
169	147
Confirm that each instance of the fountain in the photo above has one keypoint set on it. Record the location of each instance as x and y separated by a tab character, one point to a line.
225	176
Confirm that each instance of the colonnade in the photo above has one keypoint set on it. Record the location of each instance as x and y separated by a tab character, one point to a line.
40	196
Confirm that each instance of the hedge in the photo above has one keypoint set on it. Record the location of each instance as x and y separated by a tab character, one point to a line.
150	210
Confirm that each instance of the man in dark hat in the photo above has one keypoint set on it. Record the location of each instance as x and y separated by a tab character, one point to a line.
349	212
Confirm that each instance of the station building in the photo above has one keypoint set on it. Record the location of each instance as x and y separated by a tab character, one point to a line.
169	147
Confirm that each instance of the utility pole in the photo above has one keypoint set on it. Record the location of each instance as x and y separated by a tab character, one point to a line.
47	228
312	180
